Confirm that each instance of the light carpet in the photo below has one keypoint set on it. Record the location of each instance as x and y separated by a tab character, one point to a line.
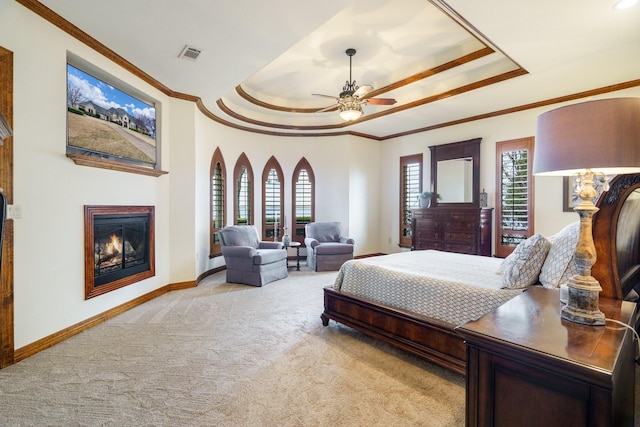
229	355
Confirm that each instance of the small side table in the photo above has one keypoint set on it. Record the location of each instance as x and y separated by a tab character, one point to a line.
296	245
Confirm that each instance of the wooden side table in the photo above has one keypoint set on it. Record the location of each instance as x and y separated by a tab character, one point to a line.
528	367
296	245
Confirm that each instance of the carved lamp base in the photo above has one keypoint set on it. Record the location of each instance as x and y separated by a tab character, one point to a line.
584	289
582	305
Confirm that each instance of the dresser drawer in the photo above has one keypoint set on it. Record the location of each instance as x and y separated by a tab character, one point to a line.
462	216
424	244
460	248
434	234
427	224
426	214
452	237
460	226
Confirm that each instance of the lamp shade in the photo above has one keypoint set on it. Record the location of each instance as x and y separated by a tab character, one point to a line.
601	135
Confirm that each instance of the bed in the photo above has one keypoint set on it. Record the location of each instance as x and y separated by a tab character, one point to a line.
399	299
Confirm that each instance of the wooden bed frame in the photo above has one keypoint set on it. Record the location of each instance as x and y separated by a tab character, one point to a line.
616	228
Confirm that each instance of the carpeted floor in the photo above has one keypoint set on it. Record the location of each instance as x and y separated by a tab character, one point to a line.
229	355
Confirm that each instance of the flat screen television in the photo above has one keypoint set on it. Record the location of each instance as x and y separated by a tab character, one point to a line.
107	118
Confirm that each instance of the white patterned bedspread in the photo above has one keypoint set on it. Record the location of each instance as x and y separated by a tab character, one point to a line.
453	288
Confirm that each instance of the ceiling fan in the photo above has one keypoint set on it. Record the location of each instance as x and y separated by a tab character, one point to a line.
352	97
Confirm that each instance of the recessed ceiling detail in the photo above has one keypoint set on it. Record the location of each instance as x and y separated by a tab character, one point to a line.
422	56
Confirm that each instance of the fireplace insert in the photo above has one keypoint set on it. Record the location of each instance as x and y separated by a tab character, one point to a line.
119	244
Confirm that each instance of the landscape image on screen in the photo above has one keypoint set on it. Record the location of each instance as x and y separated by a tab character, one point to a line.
105	121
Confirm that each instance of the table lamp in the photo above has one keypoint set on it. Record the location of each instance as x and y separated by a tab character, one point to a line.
584	140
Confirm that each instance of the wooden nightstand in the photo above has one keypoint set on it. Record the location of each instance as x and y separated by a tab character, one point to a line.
528	367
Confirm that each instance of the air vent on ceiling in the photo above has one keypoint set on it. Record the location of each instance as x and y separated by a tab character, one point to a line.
190	53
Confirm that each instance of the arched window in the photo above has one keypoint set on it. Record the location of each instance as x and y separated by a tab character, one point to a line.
303	197
272	200
217	179
243	199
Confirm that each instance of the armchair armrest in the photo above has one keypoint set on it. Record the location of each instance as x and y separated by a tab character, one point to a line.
270	245
348	240
239	251
310	242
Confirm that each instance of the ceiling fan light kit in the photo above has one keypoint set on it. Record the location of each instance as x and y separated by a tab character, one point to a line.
350	111
351	98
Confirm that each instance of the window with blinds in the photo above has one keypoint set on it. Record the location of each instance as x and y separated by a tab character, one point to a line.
303	199
243	197
410	189
272	197
217	198
514	195
217	177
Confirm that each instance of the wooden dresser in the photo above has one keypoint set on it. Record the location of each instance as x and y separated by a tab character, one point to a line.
526	366
464	230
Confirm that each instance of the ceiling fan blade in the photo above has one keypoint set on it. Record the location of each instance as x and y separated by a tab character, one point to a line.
329	108
325	96
363	90
381	101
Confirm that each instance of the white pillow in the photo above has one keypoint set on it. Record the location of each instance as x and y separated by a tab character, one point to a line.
522	267
560	265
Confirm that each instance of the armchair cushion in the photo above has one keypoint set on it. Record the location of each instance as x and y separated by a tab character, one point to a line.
267	256
334	249
239	251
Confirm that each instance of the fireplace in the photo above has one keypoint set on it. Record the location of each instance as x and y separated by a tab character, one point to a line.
119	247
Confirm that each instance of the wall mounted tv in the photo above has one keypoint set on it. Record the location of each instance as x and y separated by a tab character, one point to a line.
107	118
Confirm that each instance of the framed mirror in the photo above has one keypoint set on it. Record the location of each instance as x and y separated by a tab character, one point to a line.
455	173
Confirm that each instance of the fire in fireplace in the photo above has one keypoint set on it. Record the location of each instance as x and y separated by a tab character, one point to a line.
121	246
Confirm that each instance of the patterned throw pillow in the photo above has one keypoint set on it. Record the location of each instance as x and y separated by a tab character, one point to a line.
560	265
522	267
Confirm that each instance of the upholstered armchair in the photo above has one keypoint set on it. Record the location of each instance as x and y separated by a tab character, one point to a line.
249	260
327	248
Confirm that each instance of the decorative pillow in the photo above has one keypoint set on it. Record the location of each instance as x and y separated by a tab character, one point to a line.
560	265
522	267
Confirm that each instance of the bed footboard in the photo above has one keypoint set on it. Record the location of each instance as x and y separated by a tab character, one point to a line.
428	338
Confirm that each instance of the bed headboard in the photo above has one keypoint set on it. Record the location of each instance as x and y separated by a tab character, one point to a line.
616	234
